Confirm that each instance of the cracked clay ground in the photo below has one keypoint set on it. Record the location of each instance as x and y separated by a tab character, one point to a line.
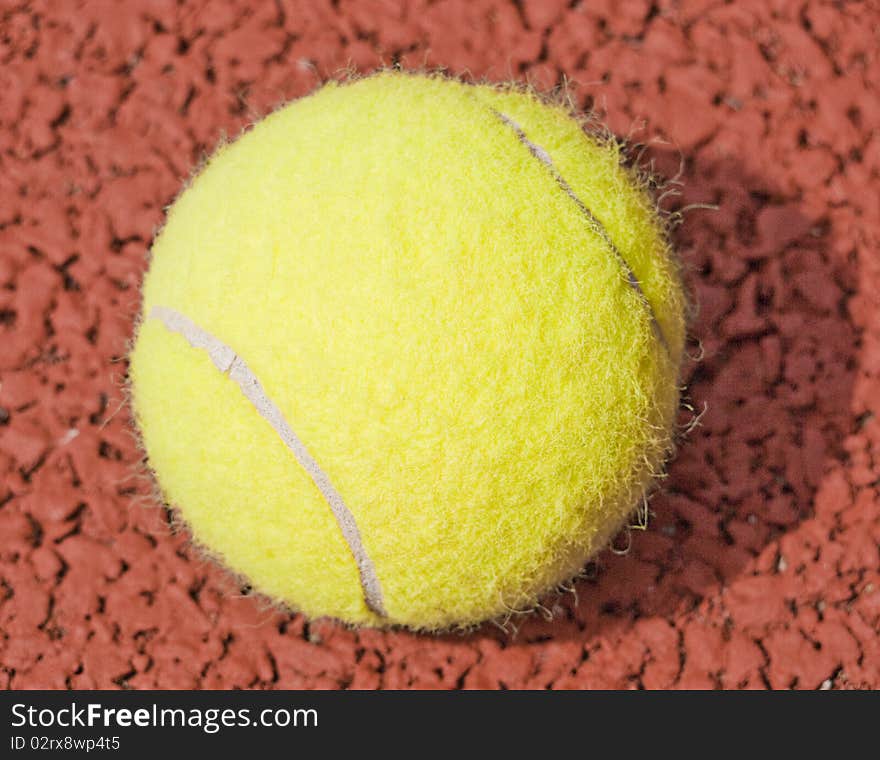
760	566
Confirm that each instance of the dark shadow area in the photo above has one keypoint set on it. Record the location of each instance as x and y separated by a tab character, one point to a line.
773	385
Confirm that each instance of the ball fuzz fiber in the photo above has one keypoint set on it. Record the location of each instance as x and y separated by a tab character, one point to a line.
409	351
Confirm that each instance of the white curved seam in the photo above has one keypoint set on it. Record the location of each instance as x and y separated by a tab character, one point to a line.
544	157
229	363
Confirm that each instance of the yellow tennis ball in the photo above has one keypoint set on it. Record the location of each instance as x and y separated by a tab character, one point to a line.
409	351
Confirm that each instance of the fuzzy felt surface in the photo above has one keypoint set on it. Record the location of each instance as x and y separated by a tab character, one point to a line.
439	324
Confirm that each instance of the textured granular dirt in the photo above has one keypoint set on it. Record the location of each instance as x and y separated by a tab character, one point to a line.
760	566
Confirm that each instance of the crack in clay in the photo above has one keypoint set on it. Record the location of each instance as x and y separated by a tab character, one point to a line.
232	365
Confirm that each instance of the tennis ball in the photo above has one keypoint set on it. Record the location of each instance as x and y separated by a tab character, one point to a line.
409	351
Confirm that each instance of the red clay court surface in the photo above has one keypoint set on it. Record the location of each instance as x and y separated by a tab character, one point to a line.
760	567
